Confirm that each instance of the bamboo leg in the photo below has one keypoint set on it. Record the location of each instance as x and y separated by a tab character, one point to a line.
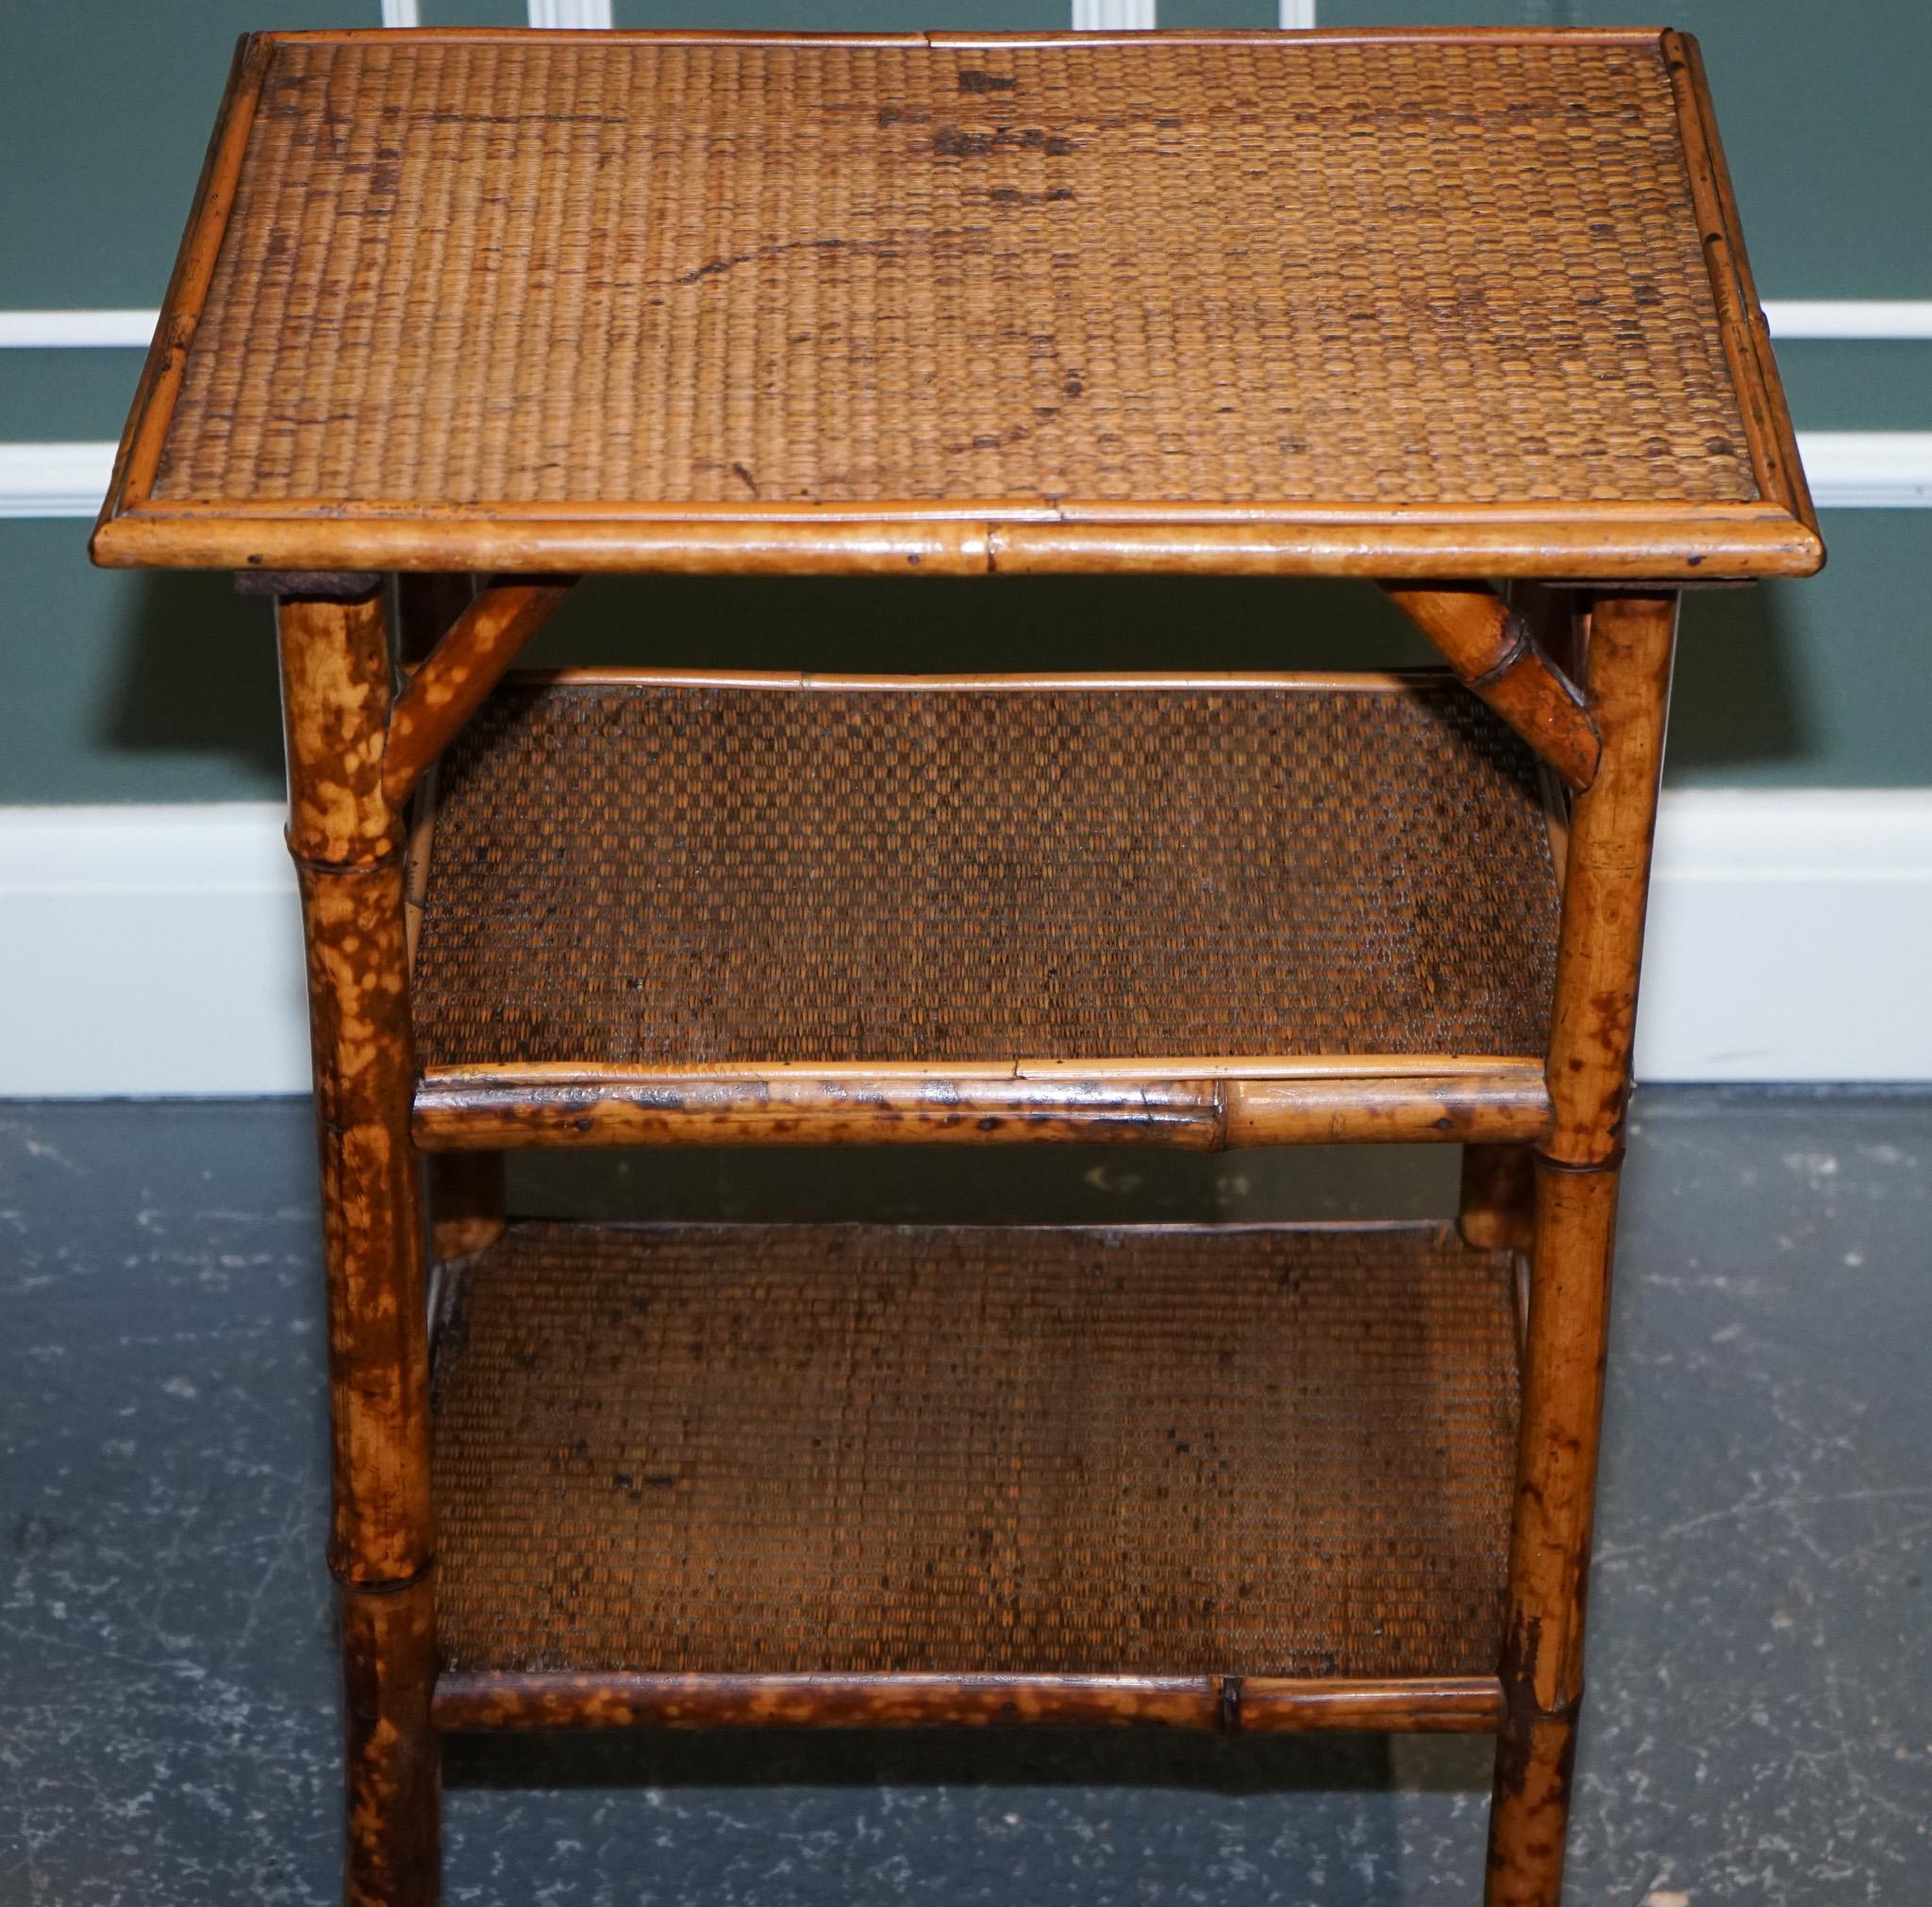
348	845
1629	667
394	1763
465	1190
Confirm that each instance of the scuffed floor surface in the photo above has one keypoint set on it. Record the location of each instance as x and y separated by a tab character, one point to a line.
1759	1724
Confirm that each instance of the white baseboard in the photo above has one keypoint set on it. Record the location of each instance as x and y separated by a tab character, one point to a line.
149	951
153	951
1788	936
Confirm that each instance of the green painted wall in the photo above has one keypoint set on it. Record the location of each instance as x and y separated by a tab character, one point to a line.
1822	109
124	688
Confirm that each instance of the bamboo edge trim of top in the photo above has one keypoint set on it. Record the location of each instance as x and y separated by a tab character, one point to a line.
1760	325
138	455
1197	35
1662	549
1741	324
1229	1704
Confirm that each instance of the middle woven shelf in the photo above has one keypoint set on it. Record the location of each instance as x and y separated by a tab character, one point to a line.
657	907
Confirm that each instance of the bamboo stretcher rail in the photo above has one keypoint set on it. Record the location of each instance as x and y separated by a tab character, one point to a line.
810	1107
1228	1705
1460	1107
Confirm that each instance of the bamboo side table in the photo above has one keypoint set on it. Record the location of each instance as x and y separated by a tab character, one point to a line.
482	311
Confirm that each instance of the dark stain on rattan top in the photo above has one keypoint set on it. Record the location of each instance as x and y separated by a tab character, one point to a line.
684	876
497	272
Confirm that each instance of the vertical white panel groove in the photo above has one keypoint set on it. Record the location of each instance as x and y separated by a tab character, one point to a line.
579	14
1113	16
1848	469
1889	321
156	950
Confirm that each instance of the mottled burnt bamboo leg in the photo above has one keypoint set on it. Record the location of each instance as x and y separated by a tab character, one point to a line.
1629	667
466	1189
348	846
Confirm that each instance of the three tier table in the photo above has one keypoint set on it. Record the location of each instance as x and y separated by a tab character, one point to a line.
462	315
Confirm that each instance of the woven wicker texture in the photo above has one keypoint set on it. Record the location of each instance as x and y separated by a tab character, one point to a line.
609	271
677	876
852	1449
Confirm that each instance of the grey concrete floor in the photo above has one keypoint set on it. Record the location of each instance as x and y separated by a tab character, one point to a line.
1760	1722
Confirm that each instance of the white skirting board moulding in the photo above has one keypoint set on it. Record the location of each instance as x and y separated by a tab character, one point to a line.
156	951
1854	470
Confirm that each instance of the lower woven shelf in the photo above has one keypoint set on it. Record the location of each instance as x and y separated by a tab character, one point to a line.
1248	1476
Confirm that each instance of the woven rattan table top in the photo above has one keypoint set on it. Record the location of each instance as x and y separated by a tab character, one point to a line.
1397	303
